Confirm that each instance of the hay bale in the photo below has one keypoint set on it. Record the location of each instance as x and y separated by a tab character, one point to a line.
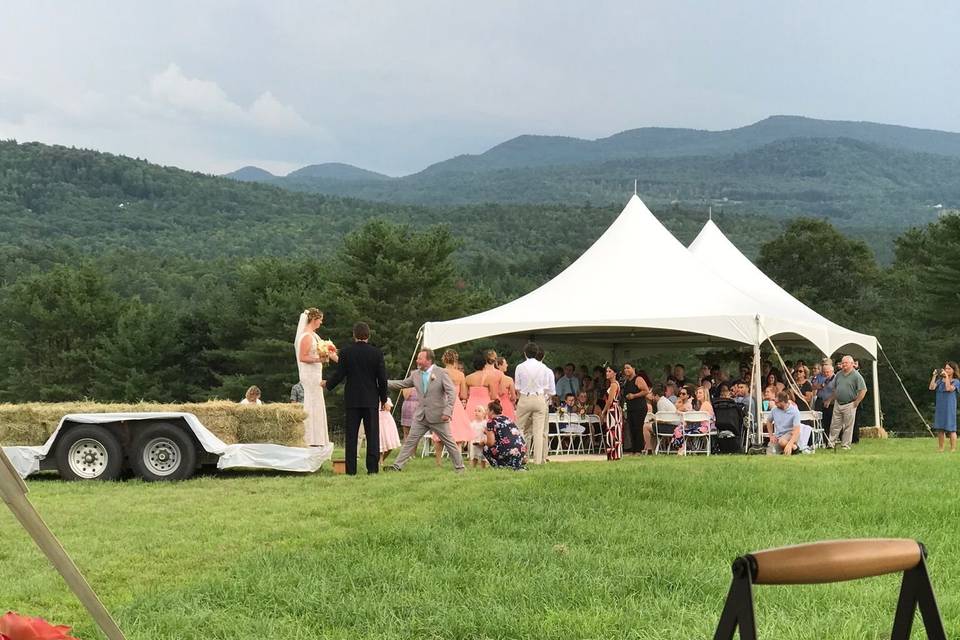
277	423
219	416
873	432
280	423
23	425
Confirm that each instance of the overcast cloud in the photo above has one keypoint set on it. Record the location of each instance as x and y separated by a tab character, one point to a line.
396	86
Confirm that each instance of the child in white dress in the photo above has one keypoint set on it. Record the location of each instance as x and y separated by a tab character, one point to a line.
478	426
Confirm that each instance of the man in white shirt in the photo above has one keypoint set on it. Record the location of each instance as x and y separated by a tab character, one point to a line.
661	403
534	383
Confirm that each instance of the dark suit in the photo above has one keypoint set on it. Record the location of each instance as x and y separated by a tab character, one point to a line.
362	366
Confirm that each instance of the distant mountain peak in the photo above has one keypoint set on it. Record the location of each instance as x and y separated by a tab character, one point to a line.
336	171
250	174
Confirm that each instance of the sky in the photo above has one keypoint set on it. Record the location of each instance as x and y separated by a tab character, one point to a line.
396	86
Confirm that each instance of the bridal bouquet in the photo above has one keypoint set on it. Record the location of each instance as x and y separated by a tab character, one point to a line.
325	348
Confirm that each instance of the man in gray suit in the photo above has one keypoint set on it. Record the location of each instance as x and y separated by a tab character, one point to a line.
437	395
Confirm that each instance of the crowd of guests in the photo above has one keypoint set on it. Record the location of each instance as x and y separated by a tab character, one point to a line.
499	420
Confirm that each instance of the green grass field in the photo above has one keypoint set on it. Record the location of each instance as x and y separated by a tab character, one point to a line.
635	549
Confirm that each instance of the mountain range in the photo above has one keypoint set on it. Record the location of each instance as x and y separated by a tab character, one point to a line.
783	165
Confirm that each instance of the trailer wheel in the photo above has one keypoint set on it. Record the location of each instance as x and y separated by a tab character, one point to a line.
89	452
163	452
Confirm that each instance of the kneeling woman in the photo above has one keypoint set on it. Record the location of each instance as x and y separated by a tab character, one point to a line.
505	446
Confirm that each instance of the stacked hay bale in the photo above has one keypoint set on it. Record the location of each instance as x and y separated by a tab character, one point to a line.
32	424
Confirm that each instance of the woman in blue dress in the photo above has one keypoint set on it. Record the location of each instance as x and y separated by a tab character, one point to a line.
944	382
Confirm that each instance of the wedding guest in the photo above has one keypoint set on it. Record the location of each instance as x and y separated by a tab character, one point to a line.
679	376
635	392
773	384
849	391
699	400
483	385
479	427
534	382
569	404
460	421
660	403
583	374
744	397
389	438
407	410
705	373
806	390
505	447
296	393
823	384
946	386
508	391
612	416
549	392
588	388
252	396
582	404
684	401
670	392
438	396
783	425
568	382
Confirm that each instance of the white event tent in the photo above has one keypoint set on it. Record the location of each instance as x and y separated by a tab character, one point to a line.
713	247
630	304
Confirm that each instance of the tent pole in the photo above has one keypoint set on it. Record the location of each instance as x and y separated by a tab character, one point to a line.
876	396
413	358
757	372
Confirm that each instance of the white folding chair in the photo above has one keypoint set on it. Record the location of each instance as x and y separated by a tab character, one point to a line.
694	441
573	432
427	448
819	436
594	432
664	422
553	433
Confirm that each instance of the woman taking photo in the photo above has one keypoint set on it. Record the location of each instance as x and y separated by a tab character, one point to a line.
944	383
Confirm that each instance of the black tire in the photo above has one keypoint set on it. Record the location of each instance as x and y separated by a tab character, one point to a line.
89	452
163	452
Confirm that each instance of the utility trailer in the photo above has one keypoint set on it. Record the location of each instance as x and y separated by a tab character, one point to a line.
154	446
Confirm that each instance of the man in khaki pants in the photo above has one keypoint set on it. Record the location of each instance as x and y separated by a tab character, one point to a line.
530	379
848	392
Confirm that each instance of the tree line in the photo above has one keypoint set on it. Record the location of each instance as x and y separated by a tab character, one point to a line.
128	326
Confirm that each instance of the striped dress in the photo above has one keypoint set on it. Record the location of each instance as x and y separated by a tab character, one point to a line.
613	429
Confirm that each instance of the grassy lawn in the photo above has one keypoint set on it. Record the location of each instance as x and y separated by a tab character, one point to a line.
635	549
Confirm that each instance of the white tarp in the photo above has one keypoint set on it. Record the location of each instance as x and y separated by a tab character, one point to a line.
713	247
638	277
26	460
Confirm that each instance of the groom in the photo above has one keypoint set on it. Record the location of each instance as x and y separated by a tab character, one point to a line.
437	394
364	395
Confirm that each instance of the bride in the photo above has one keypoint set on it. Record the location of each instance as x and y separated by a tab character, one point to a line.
312	352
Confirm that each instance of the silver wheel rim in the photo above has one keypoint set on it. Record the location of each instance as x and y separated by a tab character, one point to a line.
88	458
162	456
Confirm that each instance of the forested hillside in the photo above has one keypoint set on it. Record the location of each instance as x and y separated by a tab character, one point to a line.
122	280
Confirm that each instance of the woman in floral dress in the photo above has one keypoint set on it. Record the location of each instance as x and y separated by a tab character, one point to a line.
505	447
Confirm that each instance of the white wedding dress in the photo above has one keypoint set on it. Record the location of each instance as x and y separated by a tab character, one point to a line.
315	426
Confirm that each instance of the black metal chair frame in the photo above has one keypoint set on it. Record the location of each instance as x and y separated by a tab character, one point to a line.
915	591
